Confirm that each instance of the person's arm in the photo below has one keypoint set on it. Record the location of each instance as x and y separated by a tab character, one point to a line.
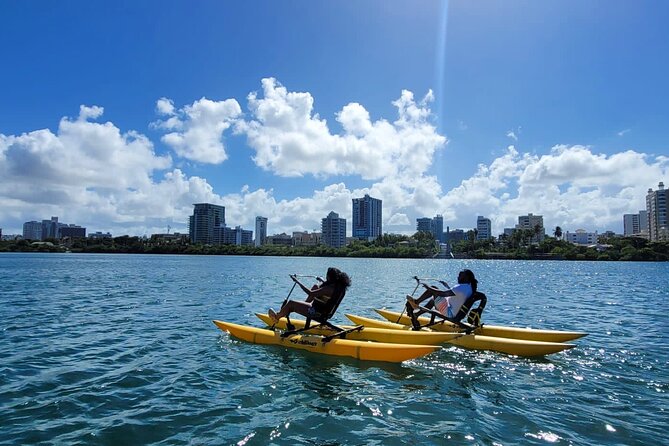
437	292
297	281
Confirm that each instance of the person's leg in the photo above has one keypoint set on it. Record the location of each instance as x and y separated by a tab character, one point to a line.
429	292
292	306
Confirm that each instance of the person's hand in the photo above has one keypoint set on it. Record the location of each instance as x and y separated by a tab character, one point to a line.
443	282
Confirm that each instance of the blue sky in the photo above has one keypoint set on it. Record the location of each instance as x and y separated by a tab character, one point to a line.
119	116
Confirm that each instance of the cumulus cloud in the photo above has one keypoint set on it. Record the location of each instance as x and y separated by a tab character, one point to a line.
165	106
572	187
93	174
291	140
513	184
196	130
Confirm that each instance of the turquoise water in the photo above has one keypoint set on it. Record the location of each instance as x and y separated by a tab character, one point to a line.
120	349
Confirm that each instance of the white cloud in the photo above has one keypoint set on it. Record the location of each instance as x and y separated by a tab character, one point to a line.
511	134
571	187
165	106
94	175
198	128
291	140
623	132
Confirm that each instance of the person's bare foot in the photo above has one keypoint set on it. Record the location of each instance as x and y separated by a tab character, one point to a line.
272	315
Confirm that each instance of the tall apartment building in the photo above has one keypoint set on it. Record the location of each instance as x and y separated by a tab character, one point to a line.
530	221
483	228
438	226
236	236
50	228
36	230
435	226
261	230
333	230
205	223
367	214
32	230
424	224
656	206
635	224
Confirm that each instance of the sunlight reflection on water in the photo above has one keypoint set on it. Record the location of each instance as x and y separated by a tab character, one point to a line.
114	348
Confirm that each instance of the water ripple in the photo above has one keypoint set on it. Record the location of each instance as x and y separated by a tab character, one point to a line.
115	349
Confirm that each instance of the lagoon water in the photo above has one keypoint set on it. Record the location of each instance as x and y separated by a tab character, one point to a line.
120	349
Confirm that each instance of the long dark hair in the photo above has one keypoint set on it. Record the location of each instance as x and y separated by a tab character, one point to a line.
469	278
338	279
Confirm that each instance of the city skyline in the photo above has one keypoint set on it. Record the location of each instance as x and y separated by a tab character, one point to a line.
443	108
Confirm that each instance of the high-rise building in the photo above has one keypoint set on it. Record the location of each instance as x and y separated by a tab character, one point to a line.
635	224
531	222
643	223
204	224
32	230
438	227
434	226
367	213
630	224
333	230
261	230
424	224
483	228
236	236
656	206
50	228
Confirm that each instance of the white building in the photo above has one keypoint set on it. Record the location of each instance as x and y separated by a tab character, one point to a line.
581	237
530	222
656	206
483	228
333	229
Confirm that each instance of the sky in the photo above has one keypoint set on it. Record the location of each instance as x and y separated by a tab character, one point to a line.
119	116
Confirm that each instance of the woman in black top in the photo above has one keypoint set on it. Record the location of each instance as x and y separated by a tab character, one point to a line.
320	298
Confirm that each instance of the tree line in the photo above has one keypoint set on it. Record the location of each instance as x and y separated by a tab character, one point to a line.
521	245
